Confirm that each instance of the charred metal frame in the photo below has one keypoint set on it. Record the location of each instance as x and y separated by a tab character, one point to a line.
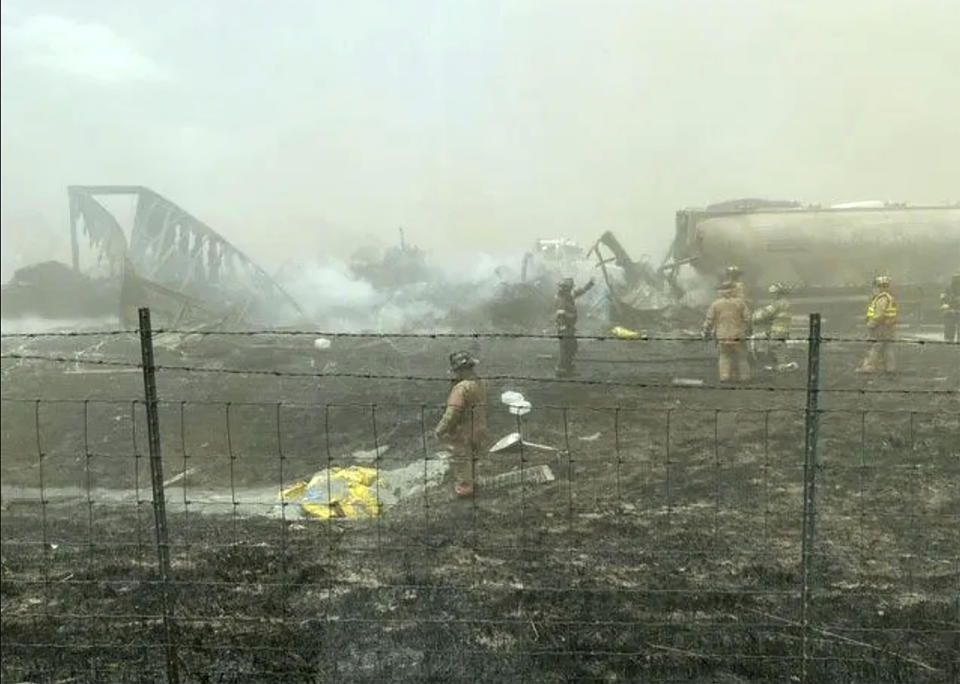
170	247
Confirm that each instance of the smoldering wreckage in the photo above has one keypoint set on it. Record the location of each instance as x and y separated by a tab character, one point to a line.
192	277
195	281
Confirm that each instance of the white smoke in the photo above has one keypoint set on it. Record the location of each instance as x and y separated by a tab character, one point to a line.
333	297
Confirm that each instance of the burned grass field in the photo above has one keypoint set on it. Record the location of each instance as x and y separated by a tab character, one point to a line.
667	546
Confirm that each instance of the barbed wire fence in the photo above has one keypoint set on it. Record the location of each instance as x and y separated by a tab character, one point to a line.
674	543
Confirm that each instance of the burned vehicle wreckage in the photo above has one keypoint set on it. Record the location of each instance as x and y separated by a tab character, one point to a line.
192	277
186	272
826	257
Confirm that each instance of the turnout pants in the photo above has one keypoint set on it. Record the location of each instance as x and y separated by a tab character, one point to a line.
951	326
463	460
568	350
733	362
880	357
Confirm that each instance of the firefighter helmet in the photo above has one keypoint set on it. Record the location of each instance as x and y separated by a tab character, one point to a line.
461	360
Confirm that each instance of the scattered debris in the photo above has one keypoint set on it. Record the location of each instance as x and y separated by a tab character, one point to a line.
512	443
516	403
687	382
369	455
179	476
86	370
540	474
625	333
361	492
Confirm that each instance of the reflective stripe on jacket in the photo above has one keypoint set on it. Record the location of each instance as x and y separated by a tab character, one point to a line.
781	323
882	310
775	317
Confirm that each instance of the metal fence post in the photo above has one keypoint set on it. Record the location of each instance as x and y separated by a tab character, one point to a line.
811	425
159	502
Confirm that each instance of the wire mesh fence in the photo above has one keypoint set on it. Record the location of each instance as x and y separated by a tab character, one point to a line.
647	531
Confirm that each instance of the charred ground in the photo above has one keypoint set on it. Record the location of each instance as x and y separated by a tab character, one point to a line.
667	548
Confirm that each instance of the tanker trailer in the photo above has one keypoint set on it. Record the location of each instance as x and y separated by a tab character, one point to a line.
827	256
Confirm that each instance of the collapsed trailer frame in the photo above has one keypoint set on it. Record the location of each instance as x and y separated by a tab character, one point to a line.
174	253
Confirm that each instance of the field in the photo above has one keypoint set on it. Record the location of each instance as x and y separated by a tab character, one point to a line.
668	548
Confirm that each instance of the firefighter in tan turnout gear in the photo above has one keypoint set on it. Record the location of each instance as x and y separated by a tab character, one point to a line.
566	319
881	328
728	321
463	427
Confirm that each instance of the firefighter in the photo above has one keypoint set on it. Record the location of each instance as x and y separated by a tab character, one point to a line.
566	320
728	321
881	328
773	321
463	427
950	307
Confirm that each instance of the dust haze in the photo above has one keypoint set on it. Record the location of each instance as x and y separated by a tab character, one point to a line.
303	129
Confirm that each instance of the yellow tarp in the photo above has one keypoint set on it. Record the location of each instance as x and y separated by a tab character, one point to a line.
349	492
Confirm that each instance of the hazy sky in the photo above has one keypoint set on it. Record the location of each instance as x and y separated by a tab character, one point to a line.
296	128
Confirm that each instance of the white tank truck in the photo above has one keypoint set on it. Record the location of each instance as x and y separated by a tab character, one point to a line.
827	256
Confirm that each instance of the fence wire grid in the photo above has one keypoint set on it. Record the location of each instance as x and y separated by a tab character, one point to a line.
640	531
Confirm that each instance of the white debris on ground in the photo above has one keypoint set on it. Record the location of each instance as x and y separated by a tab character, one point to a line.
516	403
540	474
513	443
369	455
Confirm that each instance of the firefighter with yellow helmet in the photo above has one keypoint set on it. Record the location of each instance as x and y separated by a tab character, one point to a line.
881	328
774	318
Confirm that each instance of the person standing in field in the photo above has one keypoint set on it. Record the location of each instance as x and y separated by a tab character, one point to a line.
463	427
728	321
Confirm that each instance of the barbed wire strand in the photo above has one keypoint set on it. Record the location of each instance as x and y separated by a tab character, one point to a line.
478	335
446	379
796	411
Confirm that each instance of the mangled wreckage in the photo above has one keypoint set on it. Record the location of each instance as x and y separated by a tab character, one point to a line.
639	295
826	256
173	262
191	276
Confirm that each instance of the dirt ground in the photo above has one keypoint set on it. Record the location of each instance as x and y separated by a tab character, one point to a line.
667	549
